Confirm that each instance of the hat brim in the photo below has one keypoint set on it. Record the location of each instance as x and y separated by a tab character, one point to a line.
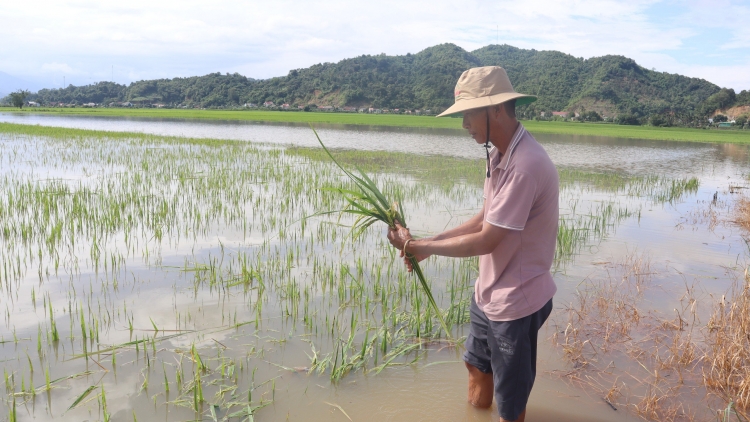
482	102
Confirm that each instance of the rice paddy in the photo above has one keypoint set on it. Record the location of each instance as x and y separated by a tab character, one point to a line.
399	120
147	276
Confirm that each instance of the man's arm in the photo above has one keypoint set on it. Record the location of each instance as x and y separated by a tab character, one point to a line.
472	225
477	243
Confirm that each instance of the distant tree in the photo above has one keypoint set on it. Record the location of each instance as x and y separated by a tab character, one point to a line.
658	120
628	119
591	116
740	121
721	100
17	98
720	118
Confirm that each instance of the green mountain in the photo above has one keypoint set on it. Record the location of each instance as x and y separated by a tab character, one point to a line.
609	85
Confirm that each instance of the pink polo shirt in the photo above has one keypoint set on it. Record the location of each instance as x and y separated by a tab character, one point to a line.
521	195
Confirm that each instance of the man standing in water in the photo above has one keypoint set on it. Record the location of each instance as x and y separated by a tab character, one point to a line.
514	236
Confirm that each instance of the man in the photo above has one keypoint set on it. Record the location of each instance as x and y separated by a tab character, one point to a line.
514	236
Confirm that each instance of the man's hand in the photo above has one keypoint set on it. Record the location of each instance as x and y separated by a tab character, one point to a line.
398	238
407	261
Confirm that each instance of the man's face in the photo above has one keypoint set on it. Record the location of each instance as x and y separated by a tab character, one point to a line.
475	122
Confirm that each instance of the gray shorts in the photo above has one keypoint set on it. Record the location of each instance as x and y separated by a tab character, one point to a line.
507	350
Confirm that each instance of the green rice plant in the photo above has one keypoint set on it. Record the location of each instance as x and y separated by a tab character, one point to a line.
370	206
166	381
12	417
105	412
82	396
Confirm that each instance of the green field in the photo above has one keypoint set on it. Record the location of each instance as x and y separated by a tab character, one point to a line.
566	128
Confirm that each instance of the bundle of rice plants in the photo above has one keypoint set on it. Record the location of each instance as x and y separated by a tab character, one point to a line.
369	205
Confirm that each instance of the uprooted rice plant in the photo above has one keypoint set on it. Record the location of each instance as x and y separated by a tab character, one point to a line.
180	276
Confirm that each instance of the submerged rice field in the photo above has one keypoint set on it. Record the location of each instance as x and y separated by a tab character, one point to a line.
152	277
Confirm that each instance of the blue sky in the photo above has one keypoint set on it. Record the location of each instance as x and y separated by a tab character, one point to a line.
87	41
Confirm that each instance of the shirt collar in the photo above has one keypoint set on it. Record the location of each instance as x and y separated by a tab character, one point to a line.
504	159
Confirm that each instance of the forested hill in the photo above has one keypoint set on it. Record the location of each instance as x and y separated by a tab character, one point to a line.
610	85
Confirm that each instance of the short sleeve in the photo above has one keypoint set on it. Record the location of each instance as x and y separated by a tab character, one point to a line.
511	203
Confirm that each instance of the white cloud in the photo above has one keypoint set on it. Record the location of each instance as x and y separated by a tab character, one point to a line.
731	76
149	39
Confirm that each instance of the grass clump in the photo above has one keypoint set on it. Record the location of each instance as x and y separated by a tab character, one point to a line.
727	370
742	213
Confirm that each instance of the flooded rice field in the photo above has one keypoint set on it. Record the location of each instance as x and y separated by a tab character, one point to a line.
149	276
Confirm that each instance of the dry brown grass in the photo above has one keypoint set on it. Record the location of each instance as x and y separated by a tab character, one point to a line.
707	213
605	311
727	368
742	213
690	364
642	361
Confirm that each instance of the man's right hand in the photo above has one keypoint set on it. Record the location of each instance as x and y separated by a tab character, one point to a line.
398	237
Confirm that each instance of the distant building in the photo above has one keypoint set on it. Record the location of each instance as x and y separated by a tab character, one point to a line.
725	124
269	104
285	106
326	108
33	104
559	113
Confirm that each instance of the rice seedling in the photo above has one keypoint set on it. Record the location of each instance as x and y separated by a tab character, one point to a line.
81	397
370	206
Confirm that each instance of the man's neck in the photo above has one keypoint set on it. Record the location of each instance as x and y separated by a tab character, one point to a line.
502	135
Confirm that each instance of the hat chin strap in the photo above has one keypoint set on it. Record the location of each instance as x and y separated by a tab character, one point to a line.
487	144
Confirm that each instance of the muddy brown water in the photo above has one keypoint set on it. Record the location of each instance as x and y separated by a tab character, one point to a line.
688	241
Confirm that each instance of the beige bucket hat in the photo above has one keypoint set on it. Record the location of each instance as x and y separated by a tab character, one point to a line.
483	87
